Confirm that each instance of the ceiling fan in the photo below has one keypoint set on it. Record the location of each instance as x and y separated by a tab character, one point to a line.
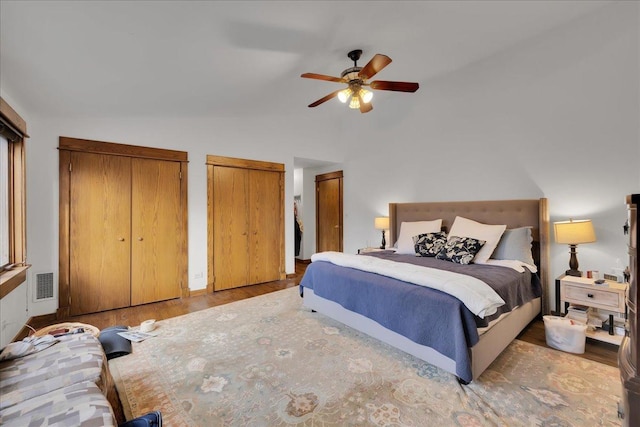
357	78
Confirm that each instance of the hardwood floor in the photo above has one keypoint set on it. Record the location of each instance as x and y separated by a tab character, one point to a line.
594	350
132	316
534	333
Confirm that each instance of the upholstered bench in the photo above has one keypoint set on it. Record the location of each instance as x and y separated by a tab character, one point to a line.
75	405
30	382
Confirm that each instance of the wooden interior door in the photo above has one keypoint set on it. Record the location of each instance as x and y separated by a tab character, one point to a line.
329	212
265	206
230	227
156	231
99	232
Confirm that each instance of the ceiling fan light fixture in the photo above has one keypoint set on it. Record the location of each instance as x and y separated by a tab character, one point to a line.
357	78
344	95
366	96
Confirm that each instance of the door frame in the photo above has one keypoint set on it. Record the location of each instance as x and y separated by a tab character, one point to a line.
325	177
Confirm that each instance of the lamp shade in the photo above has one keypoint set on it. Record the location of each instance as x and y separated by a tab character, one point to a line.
574	232
382	223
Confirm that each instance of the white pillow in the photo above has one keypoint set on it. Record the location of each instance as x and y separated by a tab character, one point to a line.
405	243
463	227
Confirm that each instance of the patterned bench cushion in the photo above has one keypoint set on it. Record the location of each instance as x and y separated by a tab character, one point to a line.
75	359
81	404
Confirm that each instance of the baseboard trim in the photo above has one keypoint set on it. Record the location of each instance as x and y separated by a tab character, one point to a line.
22	333
25	331
198	292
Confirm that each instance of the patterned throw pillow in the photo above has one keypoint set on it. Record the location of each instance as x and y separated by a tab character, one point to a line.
429	244
460	250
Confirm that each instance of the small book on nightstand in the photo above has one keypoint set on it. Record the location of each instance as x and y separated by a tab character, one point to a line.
579	313
365	250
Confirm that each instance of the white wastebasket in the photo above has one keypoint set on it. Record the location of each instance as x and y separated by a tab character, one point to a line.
565	334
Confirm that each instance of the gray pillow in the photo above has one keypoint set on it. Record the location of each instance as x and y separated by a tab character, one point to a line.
515	244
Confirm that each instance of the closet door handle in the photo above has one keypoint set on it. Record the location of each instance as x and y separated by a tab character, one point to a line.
121	239
140	239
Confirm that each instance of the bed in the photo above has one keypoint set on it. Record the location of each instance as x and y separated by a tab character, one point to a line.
474	340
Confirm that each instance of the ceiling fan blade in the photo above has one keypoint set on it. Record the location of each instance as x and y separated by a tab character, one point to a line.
325	99
373	67
395	86
365	107
322	77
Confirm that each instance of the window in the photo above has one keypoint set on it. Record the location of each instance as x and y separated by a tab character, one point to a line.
12	197
4	202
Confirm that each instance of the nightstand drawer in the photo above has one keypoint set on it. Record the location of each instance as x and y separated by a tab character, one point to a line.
593	297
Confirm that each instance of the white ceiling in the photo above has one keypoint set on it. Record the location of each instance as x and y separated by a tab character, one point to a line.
215	58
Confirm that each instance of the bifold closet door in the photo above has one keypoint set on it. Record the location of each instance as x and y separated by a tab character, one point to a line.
231	224
99	232
246	222
265	206
156	231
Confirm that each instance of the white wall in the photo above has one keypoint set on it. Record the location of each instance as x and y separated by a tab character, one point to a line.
198	137
14	309
554	117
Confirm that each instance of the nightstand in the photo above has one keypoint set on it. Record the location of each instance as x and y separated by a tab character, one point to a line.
367	250
609	297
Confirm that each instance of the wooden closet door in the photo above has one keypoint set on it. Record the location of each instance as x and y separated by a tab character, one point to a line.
230	227
265	206
156	231
99	232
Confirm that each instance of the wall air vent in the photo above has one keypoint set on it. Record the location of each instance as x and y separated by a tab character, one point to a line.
44	286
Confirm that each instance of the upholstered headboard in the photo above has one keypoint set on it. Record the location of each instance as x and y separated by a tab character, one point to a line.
513	213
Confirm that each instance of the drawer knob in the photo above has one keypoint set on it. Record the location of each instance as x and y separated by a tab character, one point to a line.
590	295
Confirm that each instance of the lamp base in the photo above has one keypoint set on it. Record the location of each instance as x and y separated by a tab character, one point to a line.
573	263
384	242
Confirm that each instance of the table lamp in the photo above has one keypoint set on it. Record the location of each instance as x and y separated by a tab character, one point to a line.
574	233
382	223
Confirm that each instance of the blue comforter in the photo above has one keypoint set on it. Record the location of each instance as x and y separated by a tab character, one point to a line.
425	316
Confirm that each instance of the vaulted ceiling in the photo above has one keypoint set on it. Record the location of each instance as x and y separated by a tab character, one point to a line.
218	58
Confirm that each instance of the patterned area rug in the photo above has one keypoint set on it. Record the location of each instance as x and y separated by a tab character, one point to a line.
268	361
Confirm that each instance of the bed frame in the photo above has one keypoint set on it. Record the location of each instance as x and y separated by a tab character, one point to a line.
513	213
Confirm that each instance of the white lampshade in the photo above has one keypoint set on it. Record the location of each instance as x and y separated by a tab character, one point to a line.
382	223
574	232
